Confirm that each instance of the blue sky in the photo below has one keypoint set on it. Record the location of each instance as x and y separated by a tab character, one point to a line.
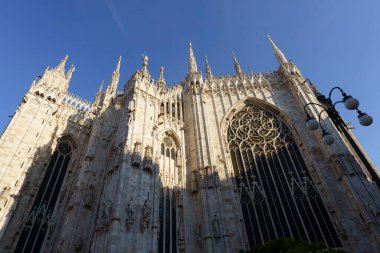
332	42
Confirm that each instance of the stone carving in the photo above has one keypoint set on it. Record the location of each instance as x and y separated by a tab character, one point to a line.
157	158
130	209
178	158
194	181
216	226
106	211
216	177
136	155
89	197
179	196
198	234
4	196
148	159
210	175
181	236
258	126
201	178
145	216
374	213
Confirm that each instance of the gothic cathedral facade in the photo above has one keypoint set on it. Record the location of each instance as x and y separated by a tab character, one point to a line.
212	164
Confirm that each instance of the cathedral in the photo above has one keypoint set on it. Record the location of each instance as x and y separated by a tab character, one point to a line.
211	164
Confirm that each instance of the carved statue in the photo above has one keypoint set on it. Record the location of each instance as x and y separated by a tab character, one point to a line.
130	208
105	215
373	211
179	158
89	197
216	226
181	239
145	216
4	192
198	234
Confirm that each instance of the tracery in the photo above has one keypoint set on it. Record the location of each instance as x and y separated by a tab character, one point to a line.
277	195
170	179
41	217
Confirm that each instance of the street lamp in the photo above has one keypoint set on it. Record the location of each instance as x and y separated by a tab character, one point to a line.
327	106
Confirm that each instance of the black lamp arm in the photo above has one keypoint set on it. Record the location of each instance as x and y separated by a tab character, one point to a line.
312	103
319	116
335	88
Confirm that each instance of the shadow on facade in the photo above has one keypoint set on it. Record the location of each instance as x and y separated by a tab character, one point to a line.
85	184
48	184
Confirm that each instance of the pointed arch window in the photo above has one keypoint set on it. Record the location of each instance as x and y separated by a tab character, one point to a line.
167	240
278	198
40	218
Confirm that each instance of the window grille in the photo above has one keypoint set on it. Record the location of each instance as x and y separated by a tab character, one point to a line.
277	195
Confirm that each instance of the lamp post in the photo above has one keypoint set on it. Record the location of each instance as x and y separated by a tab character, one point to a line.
329	107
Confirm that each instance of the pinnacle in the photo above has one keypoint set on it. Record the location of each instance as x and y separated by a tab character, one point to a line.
118	64
101	87
208	69
277	52
61	65
238	70
192	62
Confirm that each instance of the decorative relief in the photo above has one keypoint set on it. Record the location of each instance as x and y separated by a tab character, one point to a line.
130	210
4	195
374	212
198	234
216	227
145	216
181	235
105	216
178	158
148	159
89	197
204	178
254	125
136	155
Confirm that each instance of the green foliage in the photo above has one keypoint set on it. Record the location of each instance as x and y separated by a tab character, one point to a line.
286	245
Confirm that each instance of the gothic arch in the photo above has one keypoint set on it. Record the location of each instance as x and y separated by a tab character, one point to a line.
170	166
169	132
278	198
42	218
256	102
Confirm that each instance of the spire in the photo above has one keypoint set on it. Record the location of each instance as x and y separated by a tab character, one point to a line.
238	70
161	80
145	63
208	69
70	72
250	72
118	65
98	94
115	78
192	62
277	52
116	72
144	69
61	65
100	87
